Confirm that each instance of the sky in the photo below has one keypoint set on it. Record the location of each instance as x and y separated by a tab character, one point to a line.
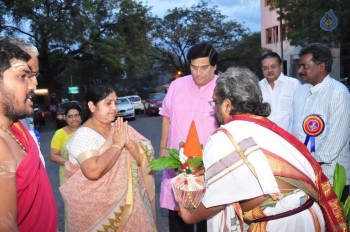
246	12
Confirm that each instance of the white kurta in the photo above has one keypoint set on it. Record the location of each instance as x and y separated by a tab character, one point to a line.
229	180
280	98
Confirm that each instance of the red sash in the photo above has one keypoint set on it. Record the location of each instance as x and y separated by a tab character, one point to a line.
328	200
36	207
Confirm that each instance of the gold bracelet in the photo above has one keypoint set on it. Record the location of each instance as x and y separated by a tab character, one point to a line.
117	146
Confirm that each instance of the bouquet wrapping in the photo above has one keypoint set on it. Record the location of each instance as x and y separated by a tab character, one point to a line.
188	188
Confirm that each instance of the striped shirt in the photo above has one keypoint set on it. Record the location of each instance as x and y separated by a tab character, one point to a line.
331	100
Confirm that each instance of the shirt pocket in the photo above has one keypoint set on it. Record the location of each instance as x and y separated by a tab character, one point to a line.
285	102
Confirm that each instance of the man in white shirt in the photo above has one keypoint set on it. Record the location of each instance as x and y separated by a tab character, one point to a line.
277	89
320	112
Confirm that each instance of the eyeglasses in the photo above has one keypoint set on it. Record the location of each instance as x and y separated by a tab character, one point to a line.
34	74
29	74
202	68
272	67
73	116
214	101
307	65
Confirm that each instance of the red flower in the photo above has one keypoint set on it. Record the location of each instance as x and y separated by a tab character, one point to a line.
185	165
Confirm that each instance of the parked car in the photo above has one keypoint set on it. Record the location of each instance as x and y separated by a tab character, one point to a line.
60	120
154	103
38	117
136	103
125	108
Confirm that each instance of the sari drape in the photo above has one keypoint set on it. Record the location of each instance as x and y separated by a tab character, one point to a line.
121	200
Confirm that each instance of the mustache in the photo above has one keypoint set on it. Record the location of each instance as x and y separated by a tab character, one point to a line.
30	95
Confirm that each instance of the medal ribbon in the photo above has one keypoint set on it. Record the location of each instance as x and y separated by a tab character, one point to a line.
313	126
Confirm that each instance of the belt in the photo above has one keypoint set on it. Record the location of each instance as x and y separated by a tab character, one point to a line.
306	205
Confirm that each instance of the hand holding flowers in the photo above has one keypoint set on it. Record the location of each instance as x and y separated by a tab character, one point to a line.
189	186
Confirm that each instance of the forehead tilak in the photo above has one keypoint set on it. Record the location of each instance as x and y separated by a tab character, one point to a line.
17	65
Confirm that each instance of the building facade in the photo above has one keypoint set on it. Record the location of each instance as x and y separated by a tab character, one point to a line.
273	38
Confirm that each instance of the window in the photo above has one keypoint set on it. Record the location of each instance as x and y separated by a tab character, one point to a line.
272	35
135	99
276	35
268	35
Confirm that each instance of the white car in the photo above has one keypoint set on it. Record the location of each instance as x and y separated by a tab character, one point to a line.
136	103
125	108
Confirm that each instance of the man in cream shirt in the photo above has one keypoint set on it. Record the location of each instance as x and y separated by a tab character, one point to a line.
277	89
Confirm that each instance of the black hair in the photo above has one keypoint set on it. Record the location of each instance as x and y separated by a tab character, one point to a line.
320	54
73	106
96	93
9	51
271	55
201	50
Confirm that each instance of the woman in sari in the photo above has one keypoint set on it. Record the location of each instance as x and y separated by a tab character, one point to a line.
58	152
109	186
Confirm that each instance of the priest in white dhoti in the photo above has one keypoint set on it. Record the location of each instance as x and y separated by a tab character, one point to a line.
258	176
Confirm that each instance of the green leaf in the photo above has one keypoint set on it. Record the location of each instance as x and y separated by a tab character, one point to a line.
173	153
172	160
339	180
347	208
165	163
195	162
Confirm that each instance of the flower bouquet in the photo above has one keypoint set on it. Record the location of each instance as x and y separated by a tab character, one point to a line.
188	159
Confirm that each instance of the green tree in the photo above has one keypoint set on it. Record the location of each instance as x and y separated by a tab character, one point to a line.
303	24
182	27
246	53
82	40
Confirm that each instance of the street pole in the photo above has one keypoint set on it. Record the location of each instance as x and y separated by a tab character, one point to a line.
281	38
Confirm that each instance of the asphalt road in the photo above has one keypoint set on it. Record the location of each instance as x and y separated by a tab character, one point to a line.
150	127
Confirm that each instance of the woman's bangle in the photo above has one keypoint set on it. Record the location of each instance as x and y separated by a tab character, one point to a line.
117	146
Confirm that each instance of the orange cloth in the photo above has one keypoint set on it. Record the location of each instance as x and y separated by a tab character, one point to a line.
192	146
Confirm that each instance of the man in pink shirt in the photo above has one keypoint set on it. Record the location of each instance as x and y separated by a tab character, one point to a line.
188	98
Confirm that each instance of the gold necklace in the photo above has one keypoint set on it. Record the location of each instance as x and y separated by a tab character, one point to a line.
13	137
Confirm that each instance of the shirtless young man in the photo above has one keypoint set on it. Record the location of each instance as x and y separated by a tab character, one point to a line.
28	202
